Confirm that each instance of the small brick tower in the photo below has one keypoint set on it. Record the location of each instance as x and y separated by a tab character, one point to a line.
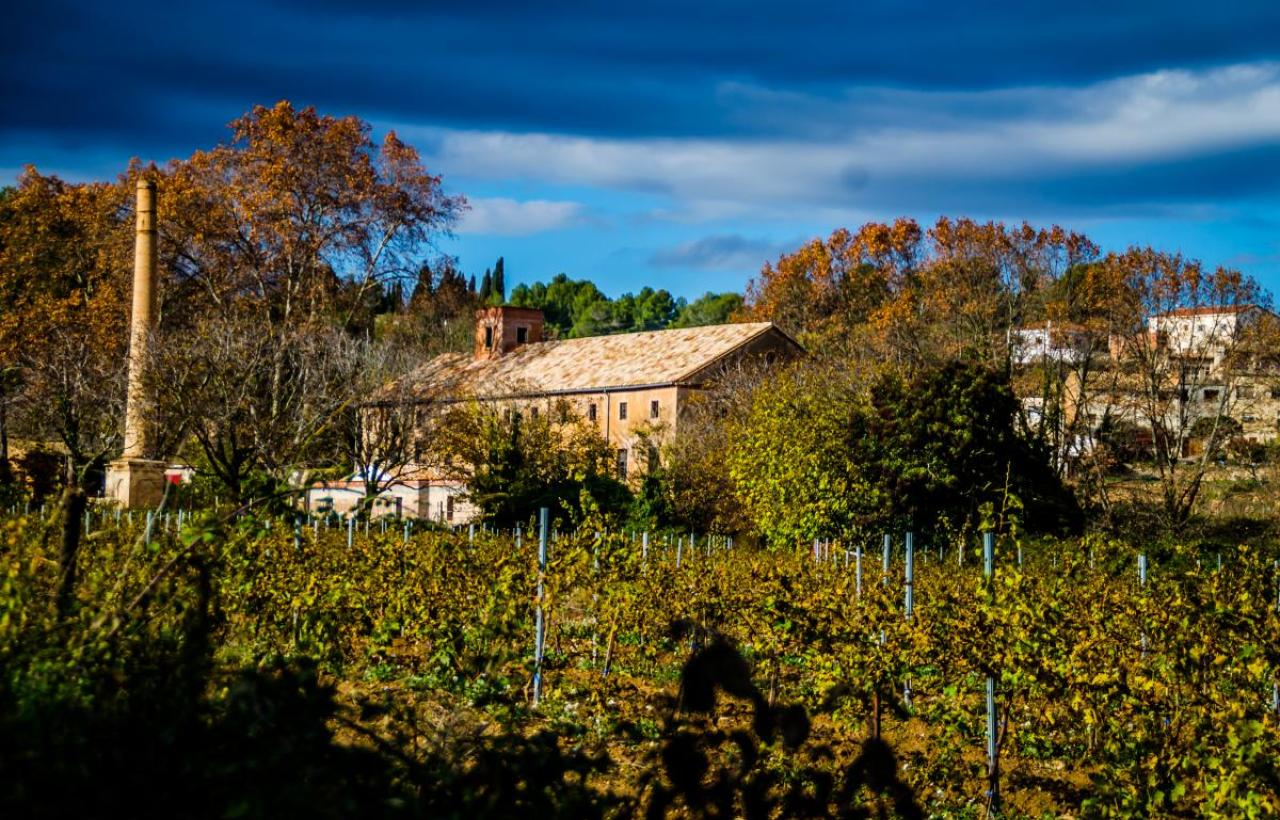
499	330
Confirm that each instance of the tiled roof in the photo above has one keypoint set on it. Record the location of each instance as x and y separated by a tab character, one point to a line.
659	357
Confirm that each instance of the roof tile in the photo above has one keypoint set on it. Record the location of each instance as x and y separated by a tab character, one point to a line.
591	363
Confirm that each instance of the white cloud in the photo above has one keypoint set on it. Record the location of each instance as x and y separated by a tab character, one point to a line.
876	147
509	217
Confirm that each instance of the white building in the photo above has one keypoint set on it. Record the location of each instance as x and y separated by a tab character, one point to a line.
1050	341
1203	332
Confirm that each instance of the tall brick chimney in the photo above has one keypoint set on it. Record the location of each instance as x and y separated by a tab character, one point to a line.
500	330
135	479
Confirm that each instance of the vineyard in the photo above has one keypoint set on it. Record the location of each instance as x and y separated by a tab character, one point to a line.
258	668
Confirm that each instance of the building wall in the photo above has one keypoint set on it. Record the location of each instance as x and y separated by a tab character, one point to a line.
1038	343
603	410
435	500
643	427
1206	335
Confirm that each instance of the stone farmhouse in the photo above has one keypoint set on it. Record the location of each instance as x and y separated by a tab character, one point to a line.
633	387
1213	363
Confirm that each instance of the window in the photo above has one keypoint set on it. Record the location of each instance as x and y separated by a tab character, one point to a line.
533	412
562	411
622	464
448	509
653	409
488	337
591	411
522	335
622	410
1211	395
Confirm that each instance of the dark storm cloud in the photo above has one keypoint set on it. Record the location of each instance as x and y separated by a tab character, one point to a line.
150	73
717	107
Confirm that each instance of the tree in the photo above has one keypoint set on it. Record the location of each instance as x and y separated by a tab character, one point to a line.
794	460
819	455
514	463
1185	341
949	444
424	286
384	428
499	281
912	296
254	399
709	309
295	203
440	315
486	286
276	244
826	287
65	257
691	471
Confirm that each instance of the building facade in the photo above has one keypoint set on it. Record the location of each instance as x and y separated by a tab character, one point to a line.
633	388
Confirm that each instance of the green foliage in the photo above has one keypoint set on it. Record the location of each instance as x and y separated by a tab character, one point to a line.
950	446
651	507
796	461
516	463
709	309
232	672
819	456
576	307
499	288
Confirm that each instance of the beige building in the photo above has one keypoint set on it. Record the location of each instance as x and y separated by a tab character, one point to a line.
633	387
1210	363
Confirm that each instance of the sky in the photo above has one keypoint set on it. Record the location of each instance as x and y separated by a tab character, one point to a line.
683	144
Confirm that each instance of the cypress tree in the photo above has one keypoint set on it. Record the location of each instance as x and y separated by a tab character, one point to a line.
499	281
425	285
486	285
471	285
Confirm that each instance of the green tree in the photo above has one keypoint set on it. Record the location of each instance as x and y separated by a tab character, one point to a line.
818	455
499	281
514	462
797	463
950	445
708	309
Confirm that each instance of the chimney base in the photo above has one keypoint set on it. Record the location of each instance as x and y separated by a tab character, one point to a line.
136	483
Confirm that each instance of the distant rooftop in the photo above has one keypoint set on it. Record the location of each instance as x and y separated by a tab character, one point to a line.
626	360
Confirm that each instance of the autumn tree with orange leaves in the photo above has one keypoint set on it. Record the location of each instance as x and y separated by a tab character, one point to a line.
300	214
286	232
917	295
65	256
291	231
906	298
